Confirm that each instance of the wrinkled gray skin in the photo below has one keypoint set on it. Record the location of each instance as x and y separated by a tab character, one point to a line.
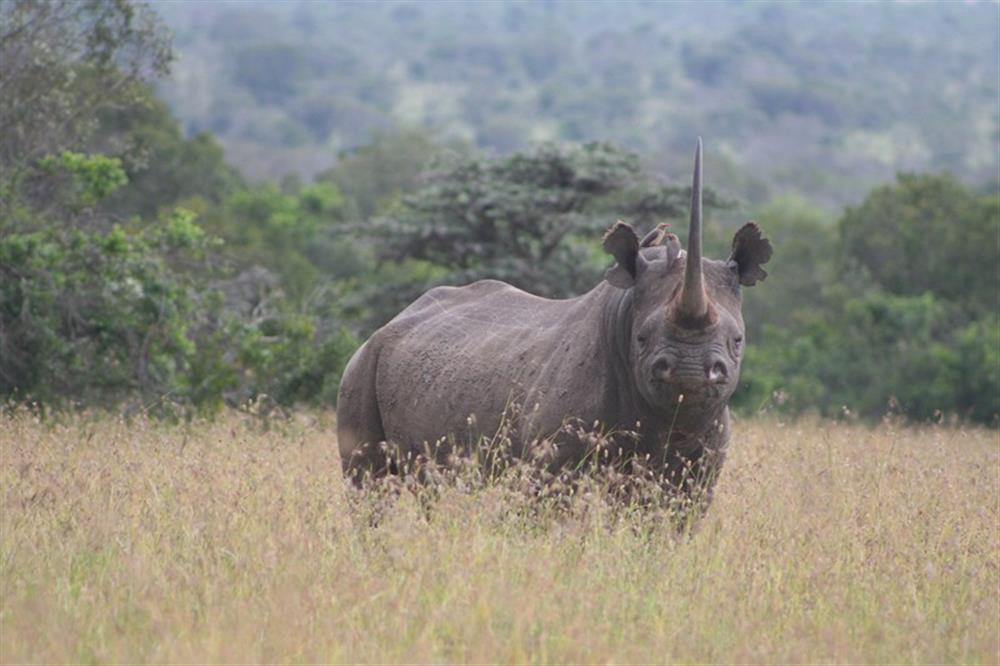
621	356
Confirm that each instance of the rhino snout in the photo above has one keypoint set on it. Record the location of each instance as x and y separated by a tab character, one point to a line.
714	371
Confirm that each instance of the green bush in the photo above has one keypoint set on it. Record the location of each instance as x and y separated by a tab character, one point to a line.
897	315
100	313
94	316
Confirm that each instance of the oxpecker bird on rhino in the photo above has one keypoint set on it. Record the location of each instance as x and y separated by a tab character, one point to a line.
651	355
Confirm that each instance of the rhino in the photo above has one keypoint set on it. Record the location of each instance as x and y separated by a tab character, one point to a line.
649	357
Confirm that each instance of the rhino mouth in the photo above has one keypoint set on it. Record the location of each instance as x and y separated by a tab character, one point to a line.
681	391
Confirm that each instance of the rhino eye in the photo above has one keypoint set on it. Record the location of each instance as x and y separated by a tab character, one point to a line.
738	344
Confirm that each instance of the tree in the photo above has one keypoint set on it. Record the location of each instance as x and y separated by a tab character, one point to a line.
64	61
799	272
109	292
926	233
899	315
533	219
299	236
164	168
97	315
391	165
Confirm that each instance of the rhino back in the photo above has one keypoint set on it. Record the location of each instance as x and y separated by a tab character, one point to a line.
471	351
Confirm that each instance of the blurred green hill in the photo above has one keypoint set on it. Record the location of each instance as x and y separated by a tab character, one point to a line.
825	99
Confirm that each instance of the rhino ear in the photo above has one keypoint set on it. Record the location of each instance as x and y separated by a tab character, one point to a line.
750	251
622	243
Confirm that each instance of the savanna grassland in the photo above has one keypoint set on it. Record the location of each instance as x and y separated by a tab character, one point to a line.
227	542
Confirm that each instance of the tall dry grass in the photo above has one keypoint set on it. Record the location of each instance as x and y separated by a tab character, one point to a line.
220	542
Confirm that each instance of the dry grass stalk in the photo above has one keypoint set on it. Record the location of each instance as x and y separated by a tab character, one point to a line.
220	542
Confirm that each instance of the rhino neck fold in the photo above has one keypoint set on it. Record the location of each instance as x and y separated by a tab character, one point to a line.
620	394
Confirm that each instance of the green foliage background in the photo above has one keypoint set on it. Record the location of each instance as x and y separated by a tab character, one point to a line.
236	252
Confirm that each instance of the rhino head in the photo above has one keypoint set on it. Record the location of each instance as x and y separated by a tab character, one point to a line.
686	337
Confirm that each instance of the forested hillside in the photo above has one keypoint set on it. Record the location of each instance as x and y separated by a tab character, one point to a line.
222	218
823	99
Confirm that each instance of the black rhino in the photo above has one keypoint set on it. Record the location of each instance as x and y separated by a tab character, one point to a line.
653	353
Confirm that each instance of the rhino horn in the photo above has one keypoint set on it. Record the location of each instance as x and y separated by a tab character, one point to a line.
693	305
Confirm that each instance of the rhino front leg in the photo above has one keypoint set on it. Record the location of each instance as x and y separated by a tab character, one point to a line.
690	483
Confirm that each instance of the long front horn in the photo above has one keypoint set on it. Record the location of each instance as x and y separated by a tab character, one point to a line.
694	302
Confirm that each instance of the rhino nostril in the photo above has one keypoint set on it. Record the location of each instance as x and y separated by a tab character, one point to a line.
661	370
717	372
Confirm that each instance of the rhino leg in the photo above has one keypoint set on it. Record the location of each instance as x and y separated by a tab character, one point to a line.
360	435
690	482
